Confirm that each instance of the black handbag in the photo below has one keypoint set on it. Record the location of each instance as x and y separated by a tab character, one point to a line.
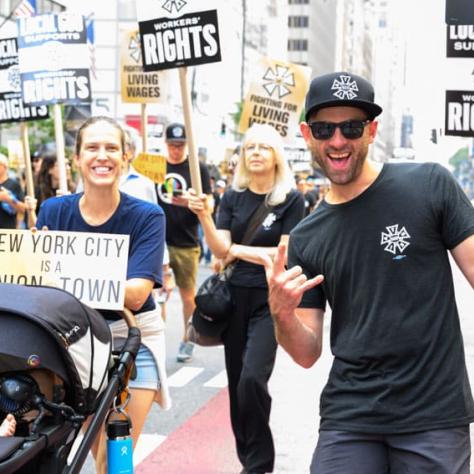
214	299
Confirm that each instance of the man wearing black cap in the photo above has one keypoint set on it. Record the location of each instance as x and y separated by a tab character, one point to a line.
181	224
376	249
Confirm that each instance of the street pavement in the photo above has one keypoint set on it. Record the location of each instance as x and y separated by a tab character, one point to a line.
194	436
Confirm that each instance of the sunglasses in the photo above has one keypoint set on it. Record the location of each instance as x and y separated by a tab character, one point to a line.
350	129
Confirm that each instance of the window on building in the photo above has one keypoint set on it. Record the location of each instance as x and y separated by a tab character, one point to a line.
298	2
298	21
297	45
127	10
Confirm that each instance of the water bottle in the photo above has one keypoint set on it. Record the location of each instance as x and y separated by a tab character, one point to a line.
119	447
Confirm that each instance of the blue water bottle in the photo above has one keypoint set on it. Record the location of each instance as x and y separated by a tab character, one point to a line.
119	447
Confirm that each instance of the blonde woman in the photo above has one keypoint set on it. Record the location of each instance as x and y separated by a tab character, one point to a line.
262	175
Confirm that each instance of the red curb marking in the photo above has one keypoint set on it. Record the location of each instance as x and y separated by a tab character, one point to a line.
204	444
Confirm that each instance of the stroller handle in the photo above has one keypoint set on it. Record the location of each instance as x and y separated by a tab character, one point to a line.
129	318
132	344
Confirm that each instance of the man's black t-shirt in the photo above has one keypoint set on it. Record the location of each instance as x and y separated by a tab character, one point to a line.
235	212
181	223
7	220
395	334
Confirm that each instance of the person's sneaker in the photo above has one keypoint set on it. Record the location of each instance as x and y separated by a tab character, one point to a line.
185	352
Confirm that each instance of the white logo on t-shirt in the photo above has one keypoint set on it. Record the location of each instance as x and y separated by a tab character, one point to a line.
395	240
269	220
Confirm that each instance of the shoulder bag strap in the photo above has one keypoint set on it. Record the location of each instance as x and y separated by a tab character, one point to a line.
257	218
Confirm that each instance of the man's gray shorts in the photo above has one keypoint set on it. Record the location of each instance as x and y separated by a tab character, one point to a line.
446	451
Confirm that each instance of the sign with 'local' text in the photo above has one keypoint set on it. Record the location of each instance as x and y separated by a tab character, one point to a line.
173	35
460	41
459	119
12	108
93	267
275	96
138	86
54	59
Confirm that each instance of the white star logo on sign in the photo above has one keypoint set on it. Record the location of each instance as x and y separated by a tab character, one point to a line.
170	4
280	81
134	48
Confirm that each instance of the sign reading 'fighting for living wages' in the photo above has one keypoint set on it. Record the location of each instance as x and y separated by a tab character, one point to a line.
276	96
136	85
54	59
178	39
459	119
93	267
12	108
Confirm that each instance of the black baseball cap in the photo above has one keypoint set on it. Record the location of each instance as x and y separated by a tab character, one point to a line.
341	89
175	132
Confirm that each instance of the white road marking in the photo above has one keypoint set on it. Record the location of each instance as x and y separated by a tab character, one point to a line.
147	443
219	381
183	376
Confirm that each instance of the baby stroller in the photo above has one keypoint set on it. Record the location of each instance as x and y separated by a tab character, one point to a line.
47	329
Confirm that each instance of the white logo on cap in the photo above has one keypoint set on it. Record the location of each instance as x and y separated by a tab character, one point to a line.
177	132
345	88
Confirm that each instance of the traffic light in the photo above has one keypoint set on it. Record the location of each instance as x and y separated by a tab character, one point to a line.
434	137
223	128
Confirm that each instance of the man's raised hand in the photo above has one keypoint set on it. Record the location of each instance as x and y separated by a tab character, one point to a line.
286	287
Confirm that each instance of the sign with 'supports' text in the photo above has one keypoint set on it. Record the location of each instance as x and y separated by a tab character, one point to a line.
172	35
54	59
12	107
275	96
138	86
460	41
459	118
93	267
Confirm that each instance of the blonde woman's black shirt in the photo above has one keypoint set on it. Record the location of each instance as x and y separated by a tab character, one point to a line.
235	212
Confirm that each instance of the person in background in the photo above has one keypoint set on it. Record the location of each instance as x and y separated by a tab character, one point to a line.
309	201
11	197
181	225
100	156
262	177
376	249
47	180
134	183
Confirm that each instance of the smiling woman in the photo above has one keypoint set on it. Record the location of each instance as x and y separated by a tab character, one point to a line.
102	208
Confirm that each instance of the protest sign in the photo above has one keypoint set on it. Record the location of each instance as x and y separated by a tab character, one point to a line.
137	85
459	116
12	107
93	267
275	96
460	41
174	35
151	165
54	59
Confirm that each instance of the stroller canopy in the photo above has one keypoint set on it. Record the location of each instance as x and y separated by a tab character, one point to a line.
55	331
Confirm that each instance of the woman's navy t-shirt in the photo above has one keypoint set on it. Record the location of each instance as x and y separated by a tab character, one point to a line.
143	222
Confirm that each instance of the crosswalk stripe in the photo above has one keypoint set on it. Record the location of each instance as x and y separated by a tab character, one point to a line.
147	443
219	381
183	376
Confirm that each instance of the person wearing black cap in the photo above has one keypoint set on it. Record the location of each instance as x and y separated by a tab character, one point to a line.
376	249
181	225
